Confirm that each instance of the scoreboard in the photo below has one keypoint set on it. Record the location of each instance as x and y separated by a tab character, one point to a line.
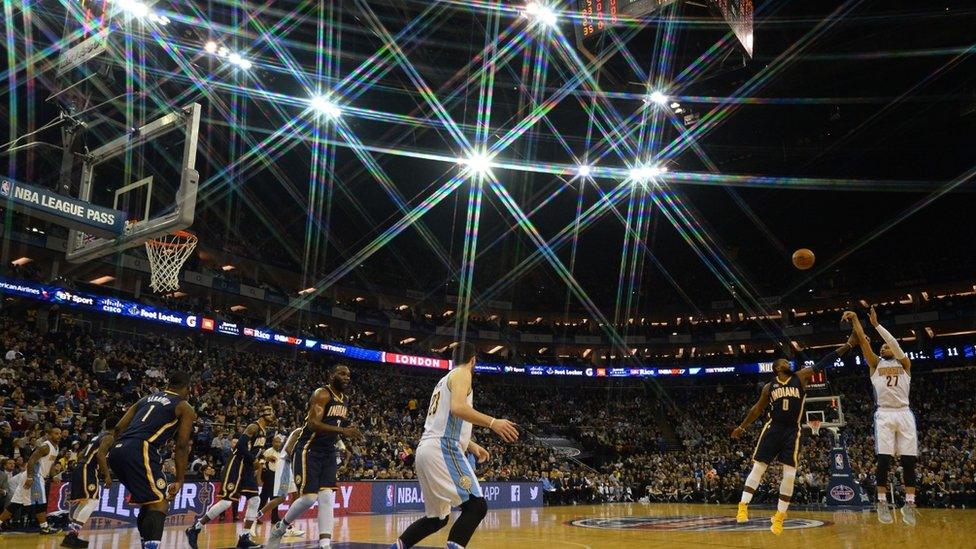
596	15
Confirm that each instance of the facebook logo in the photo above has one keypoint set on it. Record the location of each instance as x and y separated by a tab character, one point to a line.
516	493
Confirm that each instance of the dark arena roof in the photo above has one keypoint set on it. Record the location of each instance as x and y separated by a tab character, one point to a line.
482	165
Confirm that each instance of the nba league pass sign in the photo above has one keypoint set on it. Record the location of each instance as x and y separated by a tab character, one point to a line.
64	210
405	495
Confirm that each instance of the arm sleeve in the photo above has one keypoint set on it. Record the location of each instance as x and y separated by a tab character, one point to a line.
892	342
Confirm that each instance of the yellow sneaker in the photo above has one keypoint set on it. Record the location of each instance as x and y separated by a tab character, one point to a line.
776	525
743	514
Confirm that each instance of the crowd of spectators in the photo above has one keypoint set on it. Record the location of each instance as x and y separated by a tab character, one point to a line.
650	443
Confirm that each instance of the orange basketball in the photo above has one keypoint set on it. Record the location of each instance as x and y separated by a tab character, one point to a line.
803	259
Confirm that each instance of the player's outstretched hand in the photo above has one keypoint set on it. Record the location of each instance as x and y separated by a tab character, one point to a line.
737	432
172	490
848	316
873	316
505	429
352	433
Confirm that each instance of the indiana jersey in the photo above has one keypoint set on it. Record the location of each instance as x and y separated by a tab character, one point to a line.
891	384
154	420
786	401
441	423
87	455
335	413
251	447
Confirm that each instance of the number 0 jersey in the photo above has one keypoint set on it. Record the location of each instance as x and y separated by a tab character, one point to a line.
786	401
891	384
441	423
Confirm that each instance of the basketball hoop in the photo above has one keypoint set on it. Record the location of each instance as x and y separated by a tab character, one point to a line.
814	425
167	254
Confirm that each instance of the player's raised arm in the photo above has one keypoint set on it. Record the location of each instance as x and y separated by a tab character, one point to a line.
754	412
862	340
806	373
181	454
460	385
891	341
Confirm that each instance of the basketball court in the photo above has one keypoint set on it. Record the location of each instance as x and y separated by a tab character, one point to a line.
597	526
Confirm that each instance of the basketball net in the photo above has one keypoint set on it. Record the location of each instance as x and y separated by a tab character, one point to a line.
815	426
167	254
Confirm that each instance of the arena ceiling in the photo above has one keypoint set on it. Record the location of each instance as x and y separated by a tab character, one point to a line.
472	148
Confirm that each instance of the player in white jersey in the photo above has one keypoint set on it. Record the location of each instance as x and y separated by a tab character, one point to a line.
30	490
446	477
284	483
894	422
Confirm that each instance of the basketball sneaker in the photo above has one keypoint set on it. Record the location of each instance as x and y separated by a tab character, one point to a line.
908	514
743	514
277	532
72	540
245	542
293	532
191	536
884	513
776	523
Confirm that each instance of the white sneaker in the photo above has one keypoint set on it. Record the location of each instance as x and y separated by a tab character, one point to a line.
884	513
294	533
277	532
908	514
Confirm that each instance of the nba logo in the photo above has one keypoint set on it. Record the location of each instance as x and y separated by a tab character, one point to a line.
838	461
389	495
5	188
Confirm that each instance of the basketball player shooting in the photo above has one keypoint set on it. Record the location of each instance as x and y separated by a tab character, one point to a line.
446	477
780	436
894	422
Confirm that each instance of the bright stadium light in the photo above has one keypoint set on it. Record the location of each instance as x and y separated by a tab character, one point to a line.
245	64
222	51
323	105
235	58
477	163
645	173
675	105
657	97
134	8
541	13
210	47
584	170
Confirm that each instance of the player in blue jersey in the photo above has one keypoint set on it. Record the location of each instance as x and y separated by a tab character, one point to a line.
85	490
240	478
784	397
314	460
146	427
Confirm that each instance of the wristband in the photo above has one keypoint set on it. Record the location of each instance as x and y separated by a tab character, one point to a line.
492	422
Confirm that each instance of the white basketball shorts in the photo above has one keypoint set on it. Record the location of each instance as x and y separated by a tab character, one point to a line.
446	477
894	432
35	495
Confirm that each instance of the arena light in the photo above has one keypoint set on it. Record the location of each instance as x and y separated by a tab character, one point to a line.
407	340
645	173
541	13
306	291
657	97
238	308
235	58
133	8
478	163
228	267
102	280
495	349
245	64
21	261
210	47
323	105
675	105
584	170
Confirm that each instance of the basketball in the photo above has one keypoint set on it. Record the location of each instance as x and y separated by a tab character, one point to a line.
803	259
